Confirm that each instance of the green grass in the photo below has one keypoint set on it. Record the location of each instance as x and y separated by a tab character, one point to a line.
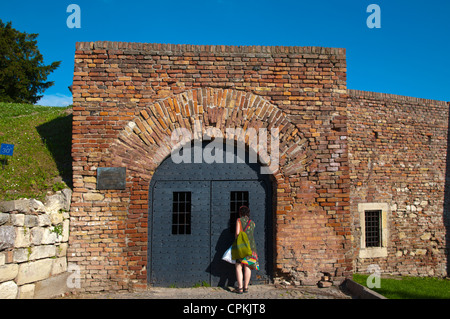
202	284
410	287
42	152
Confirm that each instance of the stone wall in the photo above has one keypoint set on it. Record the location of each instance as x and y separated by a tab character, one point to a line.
33	247
128	99
397	154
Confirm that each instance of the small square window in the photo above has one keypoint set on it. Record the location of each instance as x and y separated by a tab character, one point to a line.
374	219
237	199
181	213
373	228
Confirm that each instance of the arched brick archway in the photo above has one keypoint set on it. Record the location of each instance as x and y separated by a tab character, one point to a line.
145	142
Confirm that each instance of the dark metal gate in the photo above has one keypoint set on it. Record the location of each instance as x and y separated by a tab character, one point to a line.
192	220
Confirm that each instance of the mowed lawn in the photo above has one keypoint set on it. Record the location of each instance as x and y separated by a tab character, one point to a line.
409	287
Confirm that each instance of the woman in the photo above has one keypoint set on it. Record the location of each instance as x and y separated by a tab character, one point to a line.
244	266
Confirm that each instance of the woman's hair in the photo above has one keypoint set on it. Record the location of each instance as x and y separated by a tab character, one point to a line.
244	211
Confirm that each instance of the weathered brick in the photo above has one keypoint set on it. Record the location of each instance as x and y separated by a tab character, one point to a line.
397	155
126	108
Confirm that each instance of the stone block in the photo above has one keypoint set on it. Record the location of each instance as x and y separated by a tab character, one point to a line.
34	271
48	237
4	218
65	233
31	221
59	201
425	236
36	235
93	197
44	220
40	252
8	272
52	287
26	292
54	203
21	255
59	266
7	237
61	250
90	179
56	218
421	252
20	205
18	220
23	237
67	193
8	290
37	206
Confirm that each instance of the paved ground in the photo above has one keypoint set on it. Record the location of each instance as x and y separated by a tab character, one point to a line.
255	292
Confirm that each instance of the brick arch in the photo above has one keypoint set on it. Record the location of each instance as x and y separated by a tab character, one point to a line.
146	140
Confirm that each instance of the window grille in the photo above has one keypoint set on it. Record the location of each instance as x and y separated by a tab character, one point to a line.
237	199
181	213
373	228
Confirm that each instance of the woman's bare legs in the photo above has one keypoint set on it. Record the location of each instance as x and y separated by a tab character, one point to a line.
243	278
247	276
239	275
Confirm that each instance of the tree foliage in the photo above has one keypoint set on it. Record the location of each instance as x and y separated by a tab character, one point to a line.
23	75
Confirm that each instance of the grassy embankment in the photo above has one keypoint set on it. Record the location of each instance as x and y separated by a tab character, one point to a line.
42	161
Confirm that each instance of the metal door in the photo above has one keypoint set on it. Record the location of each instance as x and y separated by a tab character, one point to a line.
184	251
226	198
180	246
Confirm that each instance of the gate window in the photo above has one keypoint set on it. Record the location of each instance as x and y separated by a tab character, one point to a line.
237	199
181	213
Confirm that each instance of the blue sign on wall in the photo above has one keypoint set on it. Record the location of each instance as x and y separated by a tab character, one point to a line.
7	149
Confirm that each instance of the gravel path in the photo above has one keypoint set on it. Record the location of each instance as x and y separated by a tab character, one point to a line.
255	292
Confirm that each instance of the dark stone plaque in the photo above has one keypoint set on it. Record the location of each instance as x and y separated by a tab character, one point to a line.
111	178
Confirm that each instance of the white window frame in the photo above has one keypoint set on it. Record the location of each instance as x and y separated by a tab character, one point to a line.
374	252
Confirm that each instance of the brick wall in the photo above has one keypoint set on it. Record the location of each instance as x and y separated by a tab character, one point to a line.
397	155
125	106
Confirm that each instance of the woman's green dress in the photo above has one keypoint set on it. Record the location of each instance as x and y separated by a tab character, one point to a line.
250	261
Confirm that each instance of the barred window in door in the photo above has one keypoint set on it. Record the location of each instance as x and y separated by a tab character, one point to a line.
181	213
237	199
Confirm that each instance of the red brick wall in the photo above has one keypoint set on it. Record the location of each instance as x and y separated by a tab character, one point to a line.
397	155
116	84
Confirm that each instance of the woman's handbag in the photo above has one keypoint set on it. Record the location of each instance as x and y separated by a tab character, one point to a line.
241	245
227	256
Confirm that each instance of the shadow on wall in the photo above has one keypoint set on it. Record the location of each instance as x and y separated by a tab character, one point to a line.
447	200
57	137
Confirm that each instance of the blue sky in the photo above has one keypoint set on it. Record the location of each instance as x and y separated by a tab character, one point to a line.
409	54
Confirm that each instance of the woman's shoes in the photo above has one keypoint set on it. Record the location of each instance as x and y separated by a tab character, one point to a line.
241	290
